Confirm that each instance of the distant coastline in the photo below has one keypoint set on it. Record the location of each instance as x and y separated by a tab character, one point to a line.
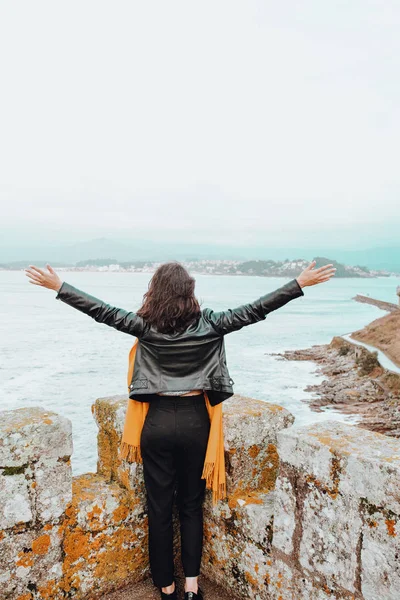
260	268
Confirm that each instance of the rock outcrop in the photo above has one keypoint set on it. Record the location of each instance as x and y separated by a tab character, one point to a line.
355	383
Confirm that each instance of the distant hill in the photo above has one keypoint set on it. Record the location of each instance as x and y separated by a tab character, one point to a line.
261	268
147	250
292	268
270	268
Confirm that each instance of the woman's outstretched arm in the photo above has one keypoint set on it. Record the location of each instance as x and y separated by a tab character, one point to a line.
234	319
123	320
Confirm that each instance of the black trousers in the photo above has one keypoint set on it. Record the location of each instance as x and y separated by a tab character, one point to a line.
173	446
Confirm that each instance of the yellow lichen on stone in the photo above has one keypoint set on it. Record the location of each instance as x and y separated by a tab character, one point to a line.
391	527
108	439
275	407
27	417
25	559
268	470
105	453
82	489
47	591
124	478
263	480
208	541
93	515
121	557
41	544
120	513
335	476
76	546
335	470
252	580
334	444
254	450
104	552
251	411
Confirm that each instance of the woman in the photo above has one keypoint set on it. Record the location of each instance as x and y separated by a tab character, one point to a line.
179	358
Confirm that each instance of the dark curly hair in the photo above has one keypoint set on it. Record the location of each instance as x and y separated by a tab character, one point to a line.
170	305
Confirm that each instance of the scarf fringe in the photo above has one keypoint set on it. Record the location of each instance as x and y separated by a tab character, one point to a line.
219	493
208	474
208	471
130	453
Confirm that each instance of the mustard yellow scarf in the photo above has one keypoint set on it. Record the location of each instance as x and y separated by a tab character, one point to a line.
214	463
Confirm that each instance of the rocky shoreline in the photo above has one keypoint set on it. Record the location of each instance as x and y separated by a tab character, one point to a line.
355	384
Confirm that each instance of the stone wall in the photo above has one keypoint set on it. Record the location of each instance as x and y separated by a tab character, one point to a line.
62	536
337	515
312	513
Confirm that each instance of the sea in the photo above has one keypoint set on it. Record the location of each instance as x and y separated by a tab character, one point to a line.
55	357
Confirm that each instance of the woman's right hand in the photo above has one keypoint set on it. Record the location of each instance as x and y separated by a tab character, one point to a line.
48	280
311	276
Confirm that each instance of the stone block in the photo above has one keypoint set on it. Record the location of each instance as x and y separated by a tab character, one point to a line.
330	537
15	499
105	538
250	430
53	487
309	449
336	511
372	470
288	583
284	515
380	555
346	459
237	546
27	434
31	563
98	545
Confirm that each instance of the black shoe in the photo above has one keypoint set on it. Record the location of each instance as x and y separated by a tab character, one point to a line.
172	596
194	596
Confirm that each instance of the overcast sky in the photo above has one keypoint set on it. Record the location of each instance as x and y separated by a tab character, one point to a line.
264	122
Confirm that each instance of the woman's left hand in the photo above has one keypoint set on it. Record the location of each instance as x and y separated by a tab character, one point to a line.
48	280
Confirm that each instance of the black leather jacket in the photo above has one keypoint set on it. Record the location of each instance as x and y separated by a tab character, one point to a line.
194	359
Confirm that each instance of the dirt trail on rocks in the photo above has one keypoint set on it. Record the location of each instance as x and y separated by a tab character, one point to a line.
383	333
